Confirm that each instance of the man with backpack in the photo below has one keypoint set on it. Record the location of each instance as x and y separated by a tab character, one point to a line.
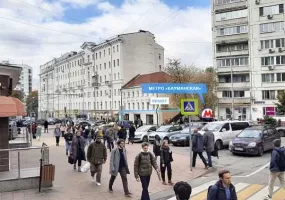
277	167
144	162
223	189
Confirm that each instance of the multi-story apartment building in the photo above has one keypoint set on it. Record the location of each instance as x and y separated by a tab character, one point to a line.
249	55
89	82
26	79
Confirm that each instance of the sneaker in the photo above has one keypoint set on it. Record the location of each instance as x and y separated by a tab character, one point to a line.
267	198
74	167
79	169
170	183
110	190
92	177
164	183
128	195
97	183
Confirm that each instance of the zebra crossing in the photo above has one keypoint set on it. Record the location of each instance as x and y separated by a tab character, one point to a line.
244	191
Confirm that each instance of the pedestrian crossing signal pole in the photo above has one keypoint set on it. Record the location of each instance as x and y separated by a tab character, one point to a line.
190	143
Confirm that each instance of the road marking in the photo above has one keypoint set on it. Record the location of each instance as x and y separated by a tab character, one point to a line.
280	194
262	193
249	191
240	186
255	172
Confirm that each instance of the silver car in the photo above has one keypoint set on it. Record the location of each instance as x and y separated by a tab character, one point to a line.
141	134
164	132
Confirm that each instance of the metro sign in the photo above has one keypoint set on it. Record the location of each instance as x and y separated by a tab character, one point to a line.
207	113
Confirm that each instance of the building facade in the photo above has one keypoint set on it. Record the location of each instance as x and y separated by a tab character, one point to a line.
249	56
89	82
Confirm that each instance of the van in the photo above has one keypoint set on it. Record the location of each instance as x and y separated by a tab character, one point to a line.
225	131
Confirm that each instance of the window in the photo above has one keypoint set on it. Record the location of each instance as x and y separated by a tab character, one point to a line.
271	27
100	54
280	60
221	2
100	66
267	78
114	76
159	56
100	93
267	44
227	62
109	64
265	61
96	56
105	78
159	67
280	77
227	94
142	105
117	48
133	94
118	62
232	47
109	51
88	58
100	79
232	30
226	126
104	53
239	94
105	66
271	10
113	49
237	126
231	15
114	92
114	64
279	43
268	95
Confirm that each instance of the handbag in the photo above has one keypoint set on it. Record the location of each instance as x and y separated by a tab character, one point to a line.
85	167
70	160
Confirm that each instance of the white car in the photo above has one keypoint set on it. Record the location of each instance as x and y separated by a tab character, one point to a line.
165	132
225	131
141	134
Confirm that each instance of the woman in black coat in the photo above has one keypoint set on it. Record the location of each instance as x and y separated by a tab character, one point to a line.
156	146
165	162
132	131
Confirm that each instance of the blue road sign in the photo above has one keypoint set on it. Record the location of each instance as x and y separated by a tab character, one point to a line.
189	107
176	88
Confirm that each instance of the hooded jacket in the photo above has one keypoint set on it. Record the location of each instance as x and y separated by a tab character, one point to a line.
197	143
218	192
144	162
275	158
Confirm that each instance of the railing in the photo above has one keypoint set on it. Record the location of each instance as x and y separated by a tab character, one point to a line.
20	159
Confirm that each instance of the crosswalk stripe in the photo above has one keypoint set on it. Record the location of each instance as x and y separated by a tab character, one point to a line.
249	191
280	194
262	193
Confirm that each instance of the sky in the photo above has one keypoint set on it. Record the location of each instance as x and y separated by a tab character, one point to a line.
34	32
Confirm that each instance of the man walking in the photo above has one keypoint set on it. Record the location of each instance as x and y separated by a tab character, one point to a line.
198	148
144	162
132	131
111	136
119	164
277	167
223	189
209	144
96	156
46	126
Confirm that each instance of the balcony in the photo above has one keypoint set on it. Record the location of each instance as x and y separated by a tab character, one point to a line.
237	100
237	86
235	69
232	53
95	85
243	20
242	4
87	63
231	39
109	83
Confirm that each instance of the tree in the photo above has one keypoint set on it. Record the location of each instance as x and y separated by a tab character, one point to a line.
32	102
190	74
18	94
210	69
281	102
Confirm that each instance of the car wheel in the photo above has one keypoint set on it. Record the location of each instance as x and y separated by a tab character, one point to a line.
145	139
282	133
260	151
219	144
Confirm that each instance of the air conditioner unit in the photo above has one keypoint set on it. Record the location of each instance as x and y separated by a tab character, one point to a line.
280	49
271	67
269	16
257	2
271	50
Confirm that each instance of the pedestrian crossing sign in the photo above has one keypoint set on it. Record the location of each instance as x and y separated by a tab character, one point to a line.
189	107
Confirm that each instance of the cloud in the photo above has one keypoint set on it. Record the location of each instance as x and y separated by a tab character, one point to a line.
80	3
105	6
35	37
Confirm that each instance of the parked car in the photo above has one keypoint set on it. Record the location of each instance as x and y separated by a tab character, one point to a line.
254	140
164	132
40	121
51	121
27	123
86	123
141	134
12	130
225	131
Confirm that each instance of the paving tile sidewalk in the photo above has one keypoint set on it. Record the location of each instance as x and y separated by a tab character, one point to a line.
73	185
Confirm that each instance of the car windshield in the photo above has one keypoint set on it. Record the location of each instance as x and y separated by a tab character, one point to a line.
163	129
249	133
143	128
213	126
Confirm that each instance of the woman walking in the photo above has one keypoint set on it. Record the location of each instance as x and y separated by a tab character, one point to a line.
165	162
57	134
156	146
39	132
62	129
68	140
77	152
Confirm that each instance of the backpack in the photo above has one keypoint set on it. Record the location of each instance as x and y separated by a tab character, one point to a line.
217	193
281	161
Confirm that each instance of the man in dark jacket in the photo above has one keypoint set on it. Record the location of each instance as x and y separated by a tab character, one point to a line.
144	162
122	133
223	189
96	156
209	144
276	165
132	131
198	147
46	126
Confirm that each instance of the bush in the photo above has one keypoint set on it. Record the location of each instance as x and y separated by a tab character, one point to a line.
270	121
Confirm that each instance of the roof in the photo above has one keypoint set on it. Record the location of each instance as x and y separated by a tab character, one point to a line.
156	77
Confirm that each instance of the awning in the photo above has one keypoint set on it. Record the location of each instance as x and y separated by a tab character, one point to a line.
10	107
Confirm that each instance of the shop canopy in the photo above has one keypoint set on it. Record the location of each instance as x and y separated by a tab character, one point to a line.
10	107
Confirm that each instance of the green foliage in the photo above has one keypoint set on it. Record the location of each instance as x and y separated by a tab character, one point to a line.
32	102
281	103
18	94
270	121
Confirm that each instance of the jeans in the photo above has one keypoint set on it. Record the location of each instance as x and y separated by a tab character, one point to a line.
201	156
145	183
67	146
209	159
96	169
123	174
169	171
110	145
272	178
